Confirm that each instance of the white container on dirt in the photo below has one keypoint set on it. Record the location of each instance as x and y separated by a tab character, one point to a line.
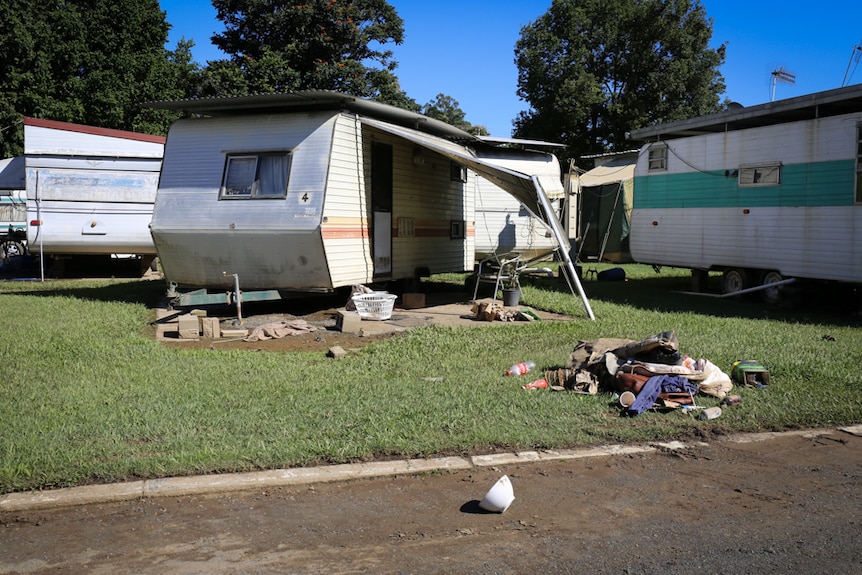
499	497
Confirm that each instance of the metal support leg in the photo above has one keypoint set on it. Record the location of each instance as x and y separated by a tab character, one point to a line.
237	295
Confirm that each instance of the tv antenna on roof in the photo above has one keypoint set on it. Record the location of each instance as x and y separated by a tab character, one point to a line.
781	75
855	54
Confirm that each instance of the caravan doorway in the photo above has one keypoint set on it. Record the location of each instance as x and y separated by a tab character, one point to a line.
381	209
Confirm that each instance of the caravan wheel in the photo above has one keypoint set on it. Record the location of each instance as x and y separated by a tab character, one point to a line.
734	280
11	248
771	295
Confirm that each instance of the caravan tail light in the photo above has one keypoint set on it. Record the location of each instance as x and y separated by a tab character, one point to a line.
35	222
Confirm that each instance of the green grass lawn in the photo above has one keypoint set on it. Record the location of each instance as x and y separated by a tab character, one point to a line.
87	394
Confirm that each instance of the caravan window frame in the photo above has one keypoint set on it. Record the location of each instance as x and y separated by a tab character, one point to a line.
457	172
657	157
247	182
759	175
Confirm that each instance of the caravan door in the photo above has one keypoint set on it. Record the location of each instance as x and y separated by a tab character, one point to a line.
381	209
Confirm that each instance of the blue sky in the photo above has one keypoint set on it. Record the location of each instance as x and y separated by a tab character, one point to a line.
465	49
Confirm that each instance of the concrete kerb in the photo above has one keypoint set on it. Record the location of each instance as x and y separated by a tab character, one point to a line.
203	484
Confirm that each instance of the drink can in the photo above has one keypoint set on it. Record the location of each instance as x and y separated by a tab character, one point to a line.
731	400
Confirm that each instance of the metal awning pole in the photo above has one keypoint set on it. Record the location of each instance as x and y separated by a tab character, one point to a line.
562	241
39	231
742	291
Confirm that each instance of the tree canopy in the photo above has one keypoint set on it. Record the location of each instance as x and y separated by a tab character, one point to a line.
290	45
94	63
87	62
592	70
447	109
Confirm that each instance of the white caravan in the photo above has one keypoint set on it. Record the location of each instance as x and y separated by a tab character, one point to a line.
90	191
763	194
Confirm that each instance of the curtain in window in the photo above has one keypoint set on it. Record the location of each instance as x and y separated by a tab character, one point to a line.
272	176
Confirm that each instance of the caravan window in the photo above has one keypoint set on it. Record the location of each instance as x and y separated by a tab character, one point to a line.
457	172
255	176
760	175
657	157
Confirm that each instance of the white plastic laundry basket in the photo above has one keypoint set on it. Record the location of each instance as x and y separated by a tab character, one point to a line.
374	305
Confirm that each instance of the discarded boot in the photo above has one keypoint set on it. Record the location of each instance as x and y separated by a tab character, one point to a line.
578	380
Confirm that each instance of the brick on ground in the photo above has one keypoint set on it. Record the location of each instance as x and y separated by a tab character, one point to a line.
188	326
348	322
336	352
234	333
210	327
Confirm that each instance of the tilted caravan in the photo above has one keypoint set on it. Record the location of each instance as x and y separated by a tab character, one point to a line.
764	193
313	191
89	190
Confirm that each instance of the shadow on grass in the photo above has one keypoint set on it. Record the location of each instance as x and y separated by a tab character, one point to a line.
152	293
144	292
804	302
115	280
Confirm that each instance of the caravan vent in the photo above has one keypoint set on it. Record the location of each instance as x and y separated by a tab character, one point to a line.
406	227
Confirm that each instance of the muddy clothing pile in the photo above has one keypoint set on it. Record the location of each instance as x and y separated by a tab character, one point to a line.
652	369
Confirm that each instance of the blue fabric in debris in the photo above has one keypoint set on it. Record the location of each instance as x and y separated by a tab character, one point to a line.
654	386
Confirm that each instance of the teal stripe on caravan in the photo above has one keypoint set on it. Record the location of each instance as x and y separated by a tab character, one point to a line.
816	184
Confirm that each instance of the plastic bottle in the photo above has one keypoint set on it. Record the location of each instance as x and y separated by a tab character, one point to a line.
538	384
521	368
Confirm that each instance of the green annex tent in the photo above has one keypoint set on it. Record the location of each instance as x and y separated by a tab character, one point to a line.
605	205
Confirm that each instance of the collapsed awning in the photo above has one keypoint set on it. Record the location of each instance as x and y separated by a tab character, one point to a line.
526	188
518	184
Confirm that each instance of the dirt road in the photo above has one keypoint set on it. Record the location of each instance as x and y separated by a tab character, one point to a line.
786	504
